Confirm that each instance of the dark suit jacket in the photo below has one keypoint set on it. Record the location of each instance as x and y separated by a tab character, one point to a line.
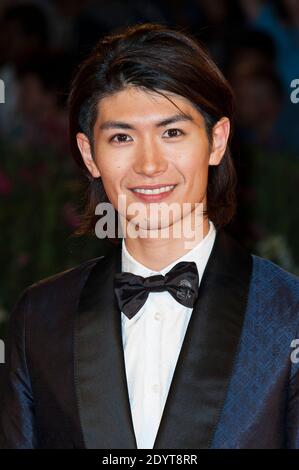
234	385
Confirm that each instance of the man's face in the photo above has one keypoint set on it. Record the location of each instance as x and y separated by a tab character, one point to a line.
141	139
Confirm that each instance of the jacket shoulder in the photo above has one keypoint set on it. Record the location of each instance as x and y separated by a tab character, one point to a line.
64	282
275	282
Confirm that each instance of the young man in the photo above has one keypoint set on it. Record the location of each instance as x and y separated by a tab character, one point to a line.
167	341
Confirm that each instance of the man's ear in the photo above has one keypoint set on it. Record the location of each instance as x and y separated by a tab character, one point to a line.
85	150
220	137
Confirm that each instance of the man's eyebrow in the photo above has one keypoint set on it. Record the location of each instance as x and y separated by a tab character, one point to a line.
115	125
175	118
165	122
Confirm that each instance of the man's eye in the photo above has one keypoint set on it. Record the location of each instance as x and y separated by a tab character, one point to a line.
120	138
173	133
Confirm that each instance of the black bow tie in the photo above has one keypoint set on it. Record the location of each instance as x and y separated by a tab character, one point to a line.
132	290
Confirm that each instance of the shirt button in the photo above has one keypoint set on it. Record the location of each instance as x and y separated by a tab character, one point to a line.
157	316
156	388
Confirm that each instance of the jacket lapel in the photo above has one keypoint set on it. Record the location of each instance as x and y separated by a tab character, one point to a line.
201	377
101	384
200	381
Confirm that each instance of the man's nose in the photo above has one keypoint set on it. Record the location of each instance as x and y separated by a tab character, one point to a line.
150	159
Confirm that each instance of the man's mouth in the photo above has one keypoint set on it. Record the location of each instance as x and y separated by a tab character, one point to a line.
154	190
153	193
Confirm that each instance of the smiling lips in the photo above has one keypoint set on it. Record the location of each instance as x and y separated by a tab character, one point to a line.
153	193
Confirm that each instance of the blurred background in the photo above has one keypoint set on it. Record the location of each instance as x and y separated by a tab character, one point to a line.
256	45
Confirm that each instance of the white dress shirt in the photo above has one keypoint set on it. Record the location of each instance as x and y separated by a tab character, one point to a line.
152	341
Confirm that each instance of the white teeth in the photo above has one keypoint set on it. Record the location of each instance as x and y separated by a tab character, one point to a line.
164	189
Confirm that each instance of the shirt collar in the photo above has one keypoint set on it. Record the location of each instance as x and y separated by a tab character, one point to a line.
199	254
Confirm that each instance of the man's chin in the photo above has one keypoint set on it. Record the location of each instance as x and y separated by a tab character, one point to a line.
148	229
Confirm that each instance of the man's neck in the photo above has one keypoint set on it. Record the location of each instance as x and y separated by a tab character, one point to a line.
157	253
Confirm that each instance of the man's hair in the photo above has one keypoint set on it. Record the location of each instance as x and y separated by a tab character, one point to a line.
156	58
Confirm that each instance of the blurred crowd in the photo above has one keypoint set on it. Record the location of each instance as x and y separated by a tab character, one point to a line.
255	43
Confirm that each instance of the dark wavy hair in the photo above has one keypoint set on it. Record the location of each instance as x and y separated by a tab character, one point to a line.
159	59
